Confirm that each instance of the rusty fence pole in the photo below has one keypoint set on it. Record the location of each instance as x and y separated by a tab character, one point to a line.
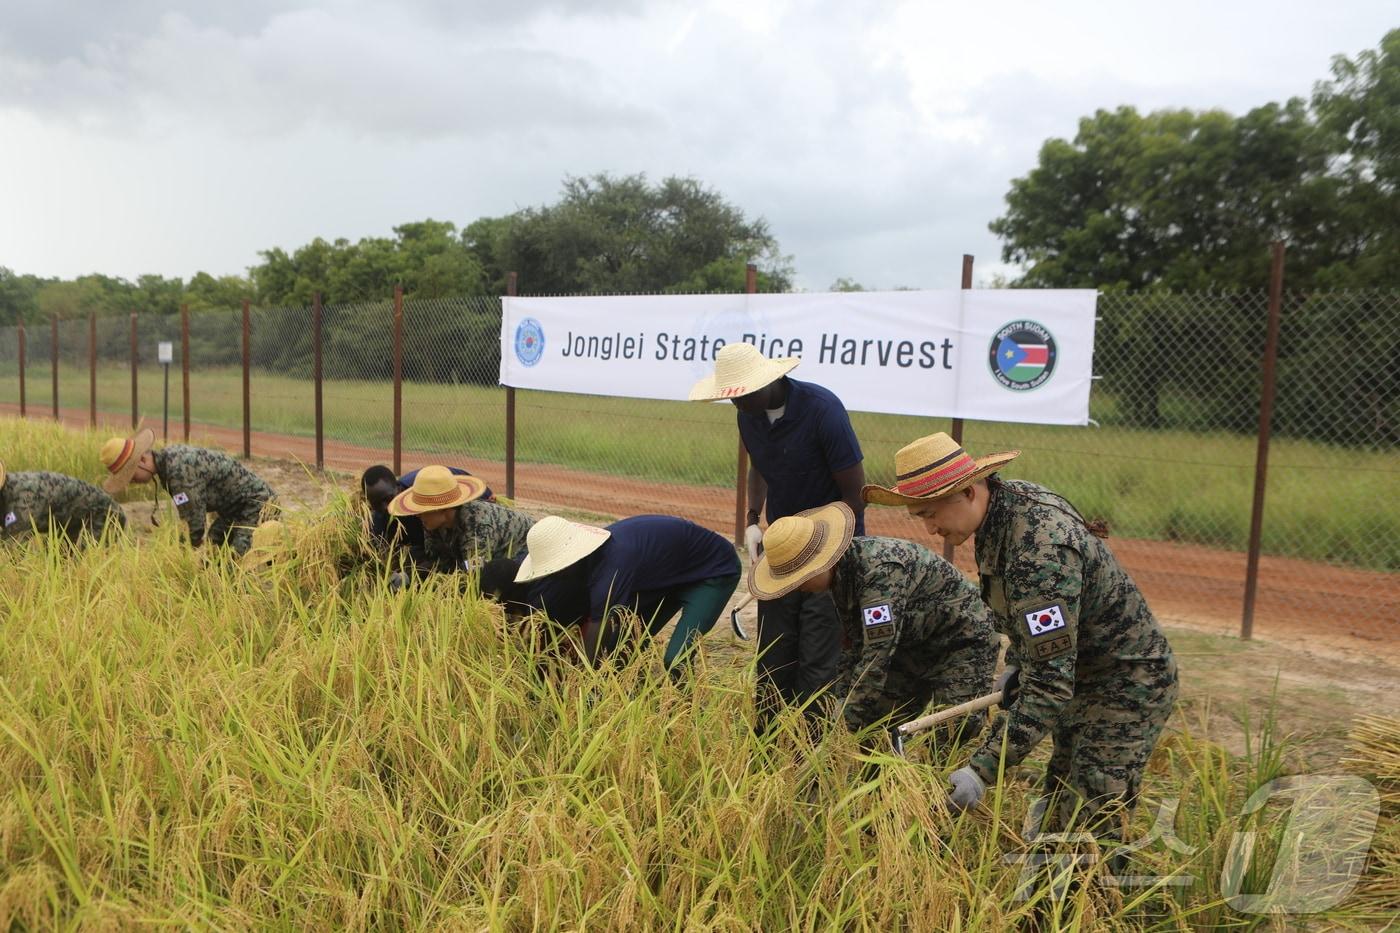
185	367
958	422
53	346
21	370
92	369
1266	419
316	378
741	468
512	281
398	379
247	383
135	362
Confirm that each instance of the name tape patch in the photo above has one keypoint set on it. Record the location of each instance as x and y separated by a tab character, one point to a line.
181	498
1048	619
879	621
1052	647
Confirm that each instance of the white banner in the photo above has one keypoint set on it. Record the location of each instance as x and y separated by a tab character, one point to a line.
992	355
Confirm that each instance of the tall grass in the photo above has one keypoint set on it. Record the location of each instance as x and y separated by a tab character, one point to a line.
1324	502
186	743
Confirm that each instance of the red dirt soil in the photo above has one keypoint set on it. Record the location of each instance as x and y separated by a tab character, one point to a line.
1320	605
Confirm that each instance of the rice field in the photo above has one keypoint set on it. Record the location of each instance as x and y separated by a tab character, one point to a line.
186	743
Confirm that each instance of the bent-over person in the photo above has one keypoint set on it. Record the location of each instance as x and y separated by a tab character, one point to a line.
38	502
460	528
201	482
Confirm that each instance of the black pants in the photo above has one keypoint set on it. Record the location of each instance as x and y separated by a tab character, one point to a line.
799	651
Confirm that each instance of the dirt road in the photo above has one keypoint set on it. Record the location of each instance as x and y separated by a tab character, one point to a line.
1299	602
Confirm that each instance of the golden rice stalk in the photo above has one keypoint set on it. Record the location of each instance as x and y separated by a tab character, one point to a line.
1375	754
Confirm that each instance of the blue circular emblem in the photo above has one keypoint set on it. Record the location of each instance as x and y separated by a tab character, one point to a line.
529	341
1022	355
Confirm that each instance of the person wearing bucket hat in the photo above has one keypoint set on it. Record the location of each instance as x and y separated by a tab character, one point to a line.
918	630
459	526
40	502
200	481
803	453
656	566
379	486
1094	669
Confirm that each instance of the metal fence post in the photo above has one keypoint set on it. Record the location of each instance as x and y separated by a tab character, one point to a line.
135	360
53	346
316	376
185	367
22	407
247	384
1261	459
512	280
398	379
958	422
741	470
92	369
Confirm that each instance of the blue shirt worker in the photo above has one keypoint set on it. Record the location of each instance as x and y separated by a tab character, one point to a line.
803	454
380	486
653	565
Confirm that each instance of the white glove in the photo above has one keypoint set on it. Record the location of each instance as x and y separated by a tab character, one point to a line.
753	537
967	789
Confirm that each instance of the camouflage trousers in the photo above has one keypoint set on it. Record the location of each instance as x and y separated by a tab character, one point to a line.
233	528
1102	742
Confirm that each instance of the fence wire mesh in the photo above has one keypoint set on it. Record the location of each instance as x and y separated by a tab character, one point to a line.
1169	462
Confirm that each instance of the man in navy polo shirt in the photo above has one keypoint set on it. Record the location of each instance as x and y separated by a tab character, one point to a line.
380	487
803	454
654	565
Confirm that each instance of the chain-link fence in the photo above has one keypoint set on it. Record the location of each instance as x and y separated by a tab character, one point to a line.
1170	462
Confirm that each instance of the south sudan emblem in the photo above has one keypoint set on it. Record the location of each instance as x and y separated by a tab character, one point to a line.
1022	355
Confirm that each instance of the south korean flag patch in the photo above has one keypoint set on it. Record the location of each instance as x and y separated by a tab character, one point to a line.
10	519
1042	621
180	498
879	621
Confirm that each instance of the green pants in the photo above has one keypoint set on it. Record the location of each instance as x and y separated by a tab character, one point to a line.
700	605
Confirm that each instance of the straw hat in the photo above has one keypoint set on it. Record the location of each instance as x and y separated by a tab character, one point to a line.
739	370
933	467
2	476
798	547
555	543
270	539
436	488
122	455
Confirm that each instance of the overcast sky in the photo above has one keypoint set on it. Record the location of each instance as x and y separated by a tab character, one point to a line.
877	139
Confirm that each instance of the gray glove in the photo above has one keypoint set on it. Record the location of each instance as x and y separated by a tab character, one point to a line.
397	581
967	789
753	540
1009	685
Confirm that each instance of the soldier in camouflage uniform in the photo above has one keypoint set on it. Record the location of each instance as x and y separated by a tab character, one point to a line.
1091	666
916	630
200	482
40	502
459	528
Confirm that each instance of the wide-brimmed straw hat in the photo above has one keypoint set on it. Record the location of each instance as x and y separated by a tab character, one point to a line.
122	455
933	467
739	370
555	543
436	488
271	539
798	547
2	476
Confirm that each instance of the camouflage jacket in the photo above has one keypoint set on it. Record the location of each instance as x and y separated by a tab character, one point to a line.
40	502
482	531
201	481
902	605
1074	617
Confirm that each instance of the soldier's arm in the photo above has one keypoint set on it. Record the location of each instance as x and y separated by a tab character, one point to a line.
1044	588
186	488
883	618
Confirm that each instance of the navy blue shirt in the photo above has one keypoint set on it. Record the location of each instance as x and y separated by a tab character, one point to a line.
408	529
798	454
645	553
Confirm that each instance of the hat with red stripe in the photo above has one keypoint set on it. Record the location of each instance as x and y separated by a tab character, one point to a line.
122	455
933	467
